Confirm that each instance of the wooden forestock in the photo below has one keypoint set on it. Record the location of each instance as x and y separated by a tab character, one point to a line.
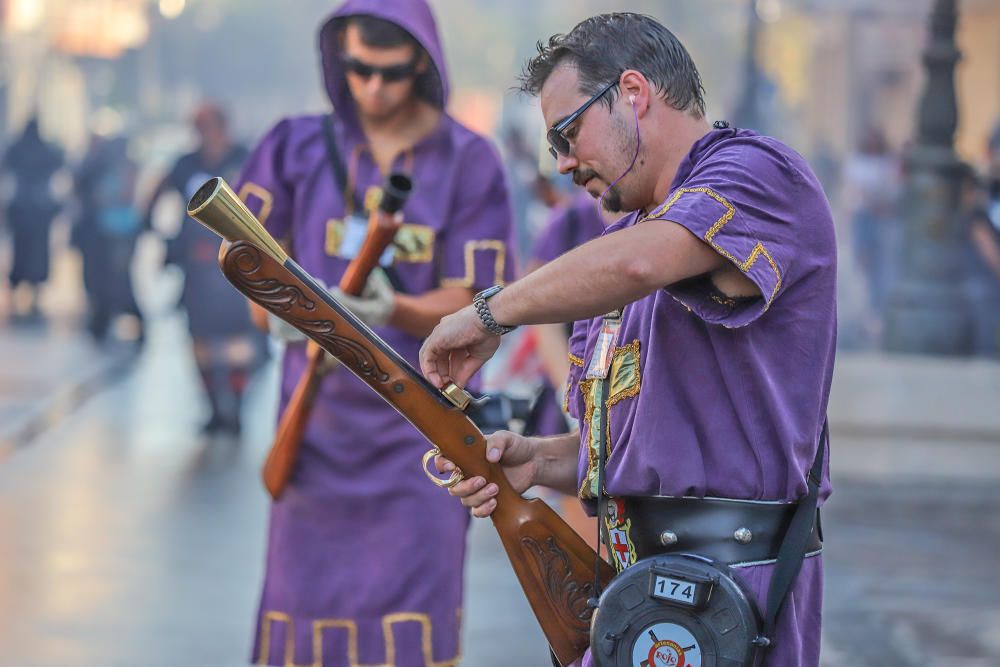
552	562
280	461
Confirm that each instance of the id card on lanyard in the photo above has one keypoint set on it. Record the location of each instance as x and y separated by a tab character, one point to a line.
600	360
355	232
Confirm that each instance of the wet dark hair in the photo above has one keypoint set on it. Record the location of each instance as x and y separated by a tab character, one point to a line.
380	33
604	46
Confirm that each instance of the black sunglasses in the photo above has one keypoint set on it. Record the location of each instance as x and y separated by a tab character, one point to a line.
558	143
389	74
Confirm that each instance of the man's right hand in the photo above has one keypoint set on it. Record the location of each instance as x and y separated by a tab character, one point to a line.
517	455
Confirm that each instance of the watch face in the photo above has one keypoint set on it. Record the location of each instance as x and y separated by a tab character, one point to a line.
489	291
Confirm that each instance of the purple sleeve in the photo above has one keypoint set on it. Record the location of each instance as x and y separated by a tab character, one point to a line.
752	205
263	185
577	350
476	250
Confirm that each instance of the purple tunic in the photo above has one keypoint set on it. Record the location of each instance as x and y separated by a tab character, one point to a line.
726	398
365	555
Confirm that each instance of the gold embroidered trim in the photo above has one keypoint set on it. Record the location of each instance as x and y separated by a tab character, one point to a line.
725	301
621	551
334	235
624	356
319	625
575	360
499	263
632	354
373	197
413	243
265	197
744	265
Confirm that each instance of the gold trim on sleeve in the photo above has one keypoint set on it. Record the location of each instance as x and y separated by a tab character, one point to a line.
575	360
499	263
744	265
261	193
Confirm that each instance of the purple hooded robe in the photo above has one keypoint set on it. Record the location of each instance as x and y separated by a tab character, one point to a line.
720	397
365	555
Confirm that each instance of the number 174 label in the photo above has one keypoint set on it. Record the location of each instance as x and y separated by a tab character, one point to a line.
675	590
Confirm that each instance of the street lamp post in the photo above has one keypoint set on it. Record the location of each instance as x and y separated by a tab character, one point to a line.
747	113
927	311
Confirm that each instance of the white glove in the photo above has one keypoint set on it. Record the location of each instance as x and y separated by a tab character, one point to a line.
375	305
282	330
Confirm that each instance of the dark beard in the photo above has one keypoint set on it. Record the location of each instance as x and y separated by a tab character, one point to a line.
613	200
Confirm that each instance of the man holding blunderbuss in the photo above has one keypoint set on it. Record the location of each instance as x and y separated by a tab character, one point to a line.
365	556
701	359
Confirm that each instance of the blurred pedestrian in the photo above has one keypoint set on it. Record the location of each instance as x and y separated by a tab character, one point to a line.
31	162
360	539
521	164
993	173
571	224
871	196
105	231
981	218
225	344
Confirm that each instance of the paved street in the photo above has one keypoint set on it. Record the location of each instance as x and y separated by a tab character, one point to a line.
126	539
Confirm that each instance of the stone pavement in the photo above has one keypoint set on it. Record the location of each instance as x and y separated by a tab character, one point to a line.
47	368
913	526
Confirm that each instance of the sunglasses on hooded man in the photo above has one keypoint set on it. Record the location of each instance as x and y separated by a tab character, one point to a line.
388	73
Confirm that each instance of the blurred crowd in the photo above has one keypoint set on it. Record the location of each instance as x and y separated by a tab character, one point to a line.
96	203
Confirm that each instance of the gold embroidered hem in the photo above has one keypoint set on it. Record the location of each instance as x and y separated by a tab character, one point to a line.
328	626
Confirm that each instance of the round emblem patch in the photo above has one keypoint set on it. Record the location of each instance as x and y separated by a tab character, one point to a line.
666	645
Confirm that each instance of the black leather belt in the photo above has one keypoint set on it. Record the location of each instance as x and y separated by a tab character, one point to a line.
727	531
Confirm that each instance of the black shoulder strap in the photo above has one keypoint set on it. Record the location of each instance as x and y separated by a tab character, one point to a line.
339	173
793	546
340	185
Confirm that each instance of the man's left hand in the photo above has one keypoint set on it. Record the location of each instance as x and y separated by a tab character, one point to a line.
375	305
457	348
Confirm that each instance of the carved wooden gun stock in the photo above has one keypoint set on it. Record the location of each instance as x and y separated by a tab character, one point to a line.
284	452
553	564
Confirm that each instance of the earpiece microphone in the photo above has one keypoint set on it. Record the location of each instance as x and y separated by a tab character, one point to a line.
631	100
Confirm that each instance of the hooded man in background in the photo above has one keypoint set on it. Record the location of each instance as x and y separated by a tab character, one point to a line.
365	556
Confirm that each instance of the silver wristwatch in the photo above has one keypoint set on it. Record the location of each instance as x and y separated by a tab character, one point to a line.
483	310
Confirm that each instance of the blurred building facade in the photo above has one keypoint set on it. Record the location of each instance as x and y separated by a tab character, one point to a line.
832	67
847	65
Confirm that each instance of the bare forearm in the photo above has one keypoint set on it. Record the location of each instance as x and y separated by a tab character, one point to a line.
418	315
258	316
556	459
605	274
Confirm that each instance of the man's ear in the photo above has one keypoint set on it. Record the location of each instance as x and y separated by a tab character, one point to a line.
635	89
